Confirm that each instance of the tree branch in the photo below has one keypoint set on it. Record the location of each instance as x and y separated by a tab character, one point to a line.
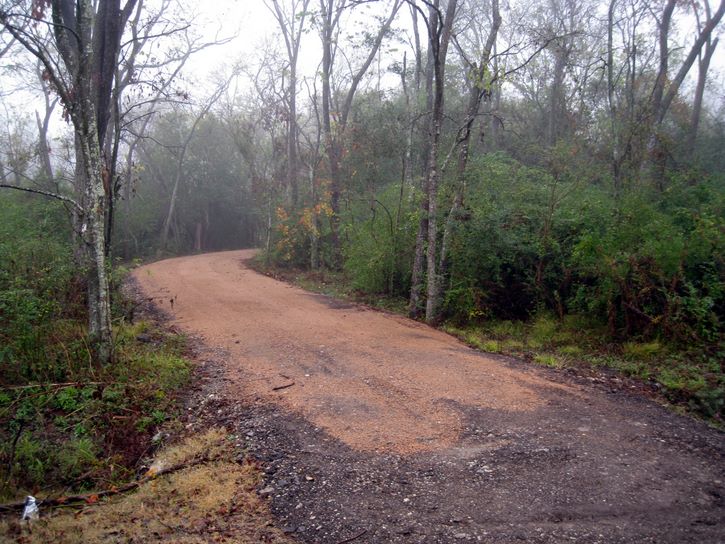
44	193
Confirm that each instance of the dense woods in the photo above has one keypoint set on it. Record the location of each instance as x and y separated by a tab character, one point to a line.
493	165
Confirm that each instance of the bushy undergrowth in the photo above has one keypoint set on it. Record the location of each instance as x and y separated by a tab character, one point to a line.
647	265
638	279
691	377
64	420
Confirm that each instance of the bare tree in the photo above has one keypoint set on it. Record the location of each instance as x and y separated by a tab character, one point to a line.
666	87
291	22
78	46
144	84
180	152
703	66
43	125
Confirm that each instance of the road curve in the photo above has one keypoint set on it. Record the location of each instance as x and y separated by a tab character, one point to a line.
546	451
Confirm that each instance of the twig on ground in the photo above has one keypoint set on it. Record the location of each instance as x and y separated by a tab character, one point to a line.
57	385
280	387
90	498
361	533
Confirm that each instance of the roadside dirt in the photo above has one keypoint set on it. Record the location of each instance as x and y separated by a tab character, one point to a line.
375	428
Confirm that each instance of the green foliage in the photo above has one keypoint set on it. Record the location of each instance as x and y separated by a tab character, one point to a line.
646	350
64	430
646	265
378	253
63	420
546	359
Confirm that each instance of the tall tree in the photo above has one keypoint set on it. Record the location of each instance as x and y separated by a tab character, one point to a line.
290	18
440	26
145	82
79	58
703	66
480	78
666	87
330	14
181	150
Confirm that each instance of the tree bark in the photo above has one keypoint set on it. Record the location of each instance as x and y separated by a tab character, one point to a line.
440	34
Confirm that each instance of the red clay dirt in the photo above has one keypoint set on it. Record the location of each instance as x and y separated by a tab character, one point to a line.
414	437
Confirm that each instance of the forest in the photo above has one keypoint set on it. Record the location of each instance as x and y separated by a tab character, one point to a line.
541	179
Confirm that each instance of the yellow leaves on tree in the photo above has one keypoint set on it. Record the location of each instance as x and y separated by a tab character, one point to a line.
292	231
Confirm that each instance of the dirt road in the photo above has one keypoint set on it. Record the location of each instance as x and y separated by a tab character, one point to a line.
378	427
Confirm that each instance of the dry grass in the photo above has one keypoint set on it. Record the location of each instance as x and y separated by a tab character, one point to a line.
214	501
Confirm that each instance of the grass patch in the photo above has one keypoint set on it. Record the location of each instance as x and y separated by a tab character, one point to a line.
546	359
214	501
543	330
571	351
642	351
78	423
507	329
512	345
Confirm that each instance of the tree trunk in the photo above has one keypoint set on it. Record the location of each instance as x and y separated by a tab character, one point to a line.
292	135
415	304
331	13
330	144
556	96
703	67
99	307
440	49
616	160
662	98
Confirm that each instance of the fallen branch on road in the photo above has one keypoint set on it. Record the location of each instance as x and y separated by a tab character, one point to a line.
280	387
361	533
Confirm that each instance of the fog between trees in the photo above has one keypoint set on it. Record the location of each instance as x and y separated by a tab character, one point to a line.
478	158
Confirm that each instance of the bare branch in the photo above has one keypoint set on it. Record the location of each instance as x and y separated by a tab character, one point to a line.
44	193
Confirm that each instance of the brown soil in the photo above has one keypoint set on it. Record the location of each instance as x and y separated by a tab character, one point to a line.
377	427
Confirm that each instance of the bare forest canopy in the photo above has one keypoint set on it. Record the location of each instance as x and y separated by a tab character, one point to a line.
478	158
